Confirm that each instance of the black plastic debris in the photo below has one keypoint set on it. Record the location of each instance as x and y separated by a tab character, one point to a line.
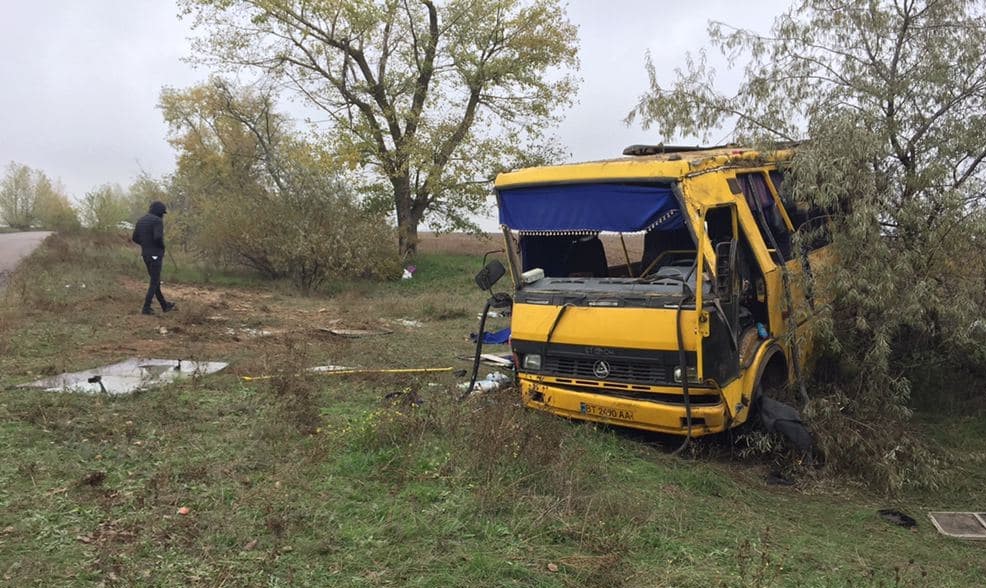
779	479
406	397
898	518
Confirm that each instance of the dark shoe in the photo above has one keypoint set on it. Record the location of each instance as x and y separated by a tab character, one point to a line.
147	311
168	307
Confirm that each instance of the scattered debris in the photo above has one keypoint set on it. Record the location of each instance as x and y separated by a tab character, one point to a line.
249	332
505	360
898	518
97	380
407	397
500	360
162	330
250	545
408	272
410	323
498	338
183	511
355	333
330	368
552	567
338	370
778	479
961	525
493	381
94	478
127	376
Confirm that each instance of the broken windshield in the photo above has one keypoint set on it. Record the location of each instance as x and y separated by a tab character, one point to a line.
601	236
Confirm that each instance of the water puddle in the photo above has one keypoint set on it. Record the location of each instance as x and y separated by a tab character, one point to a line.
128	376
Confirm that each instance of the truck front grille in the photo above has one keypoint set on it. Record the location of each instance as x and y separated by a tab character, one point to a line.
630	372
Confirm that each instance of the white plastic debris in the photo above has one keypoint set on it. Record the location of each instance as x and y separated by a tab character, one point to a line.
493	381
127	376
331	368
532	275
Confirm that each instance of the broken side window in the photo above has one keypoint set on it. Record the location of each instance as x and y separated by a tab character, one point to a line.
771	223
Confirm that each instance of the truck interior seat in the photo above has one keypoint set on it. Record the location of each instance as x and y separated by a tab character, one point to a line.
587	258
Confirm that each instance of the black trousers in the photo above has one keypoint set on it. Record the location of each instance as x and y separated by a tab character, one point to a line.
154	287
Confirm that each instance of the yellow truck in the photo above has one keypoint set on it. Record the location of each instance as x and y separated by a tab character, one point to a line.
680	331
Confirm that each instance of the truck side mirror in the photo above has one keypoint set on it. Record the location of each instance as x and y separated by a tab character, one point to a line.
725	270
490	274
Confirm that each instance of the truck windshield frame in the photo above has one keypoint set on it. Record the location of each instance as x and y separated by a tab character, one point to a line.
558	229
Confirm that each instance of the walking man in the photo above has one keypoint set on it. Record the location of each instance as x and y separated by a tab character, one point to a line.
149	234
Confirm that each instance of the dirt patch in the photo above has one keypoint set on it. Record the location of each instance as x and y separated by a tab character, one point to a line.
228	307
224	298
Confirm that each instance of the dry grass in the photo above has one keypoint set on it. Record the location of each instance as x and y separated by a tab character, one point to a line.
459	243
466	244
383	480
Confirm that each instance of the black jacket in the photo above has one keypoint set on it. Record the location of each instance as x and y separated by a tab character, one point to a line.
149	231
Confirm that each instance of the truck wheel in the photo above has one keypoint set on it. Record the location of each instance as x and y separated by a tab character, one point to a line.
784	419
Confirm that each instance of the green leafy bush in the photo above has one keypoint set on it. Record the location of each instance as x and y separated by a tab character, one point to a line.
886	100
28	198
106	208
249	192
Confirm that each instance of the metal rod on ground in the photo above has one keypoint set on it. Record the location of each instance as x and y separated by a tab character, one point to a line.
479	350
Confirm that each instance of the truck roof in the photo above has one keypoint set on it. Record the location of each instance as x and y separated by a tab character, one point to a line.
656	162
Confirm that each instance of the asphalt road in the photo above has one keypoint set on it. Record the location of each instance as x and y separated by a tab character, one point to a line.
15	247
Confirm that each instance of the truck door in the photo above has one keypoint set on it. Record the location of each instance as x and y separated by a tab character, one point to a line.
721	347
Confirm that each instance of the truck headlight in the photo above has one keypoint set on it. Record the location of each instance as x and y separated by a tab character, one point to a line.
692	374
532	362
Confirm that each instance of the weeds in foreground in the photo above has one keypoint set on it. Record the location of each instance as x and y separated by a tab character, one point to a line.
520	465
409	489
898	457
293	386
757	567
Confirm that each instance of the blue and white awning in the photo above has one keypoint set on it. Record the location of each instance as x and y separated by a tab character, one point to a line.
573	208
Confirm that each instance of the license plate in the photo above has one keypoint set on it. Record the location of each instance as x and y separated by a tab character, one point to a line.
605	411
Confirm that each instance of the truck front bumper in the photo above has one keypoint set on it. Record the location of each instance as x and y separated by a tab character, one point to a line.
649	415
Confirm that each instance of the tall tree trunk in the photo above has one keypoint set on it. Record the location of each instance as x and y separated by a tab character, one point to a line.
408	239
407	219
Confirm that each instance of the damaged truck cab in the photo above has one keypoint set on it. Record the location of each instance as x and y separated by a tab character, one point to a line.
678	332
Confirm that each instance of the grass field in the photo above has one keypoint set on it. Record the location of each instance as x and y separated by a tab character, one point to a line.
387	480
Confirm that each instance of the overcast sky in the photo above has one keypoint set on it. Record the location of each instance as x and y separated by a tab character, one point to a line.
80	80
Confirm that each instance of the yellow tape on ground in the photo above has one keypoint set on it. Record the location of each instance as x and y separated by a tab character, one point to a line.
361	371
